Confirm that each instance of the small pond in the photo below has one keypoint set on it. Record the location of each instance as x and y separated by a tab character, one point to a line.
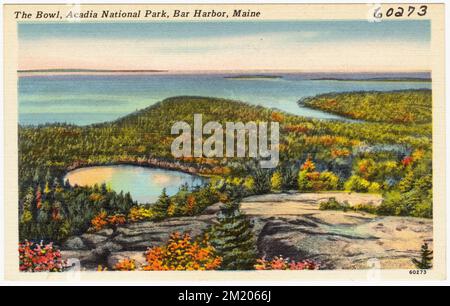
143	183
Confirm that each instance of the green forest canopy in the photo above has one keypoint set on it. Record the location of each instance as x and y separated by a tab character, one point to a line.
406	106
386	156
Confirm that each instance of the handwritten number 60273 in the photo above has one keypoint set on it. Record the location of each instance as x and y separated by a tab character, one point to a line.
400	11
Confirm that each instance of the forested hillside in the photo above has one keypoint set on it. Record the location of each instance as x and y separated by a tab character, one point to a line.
393	159
407	106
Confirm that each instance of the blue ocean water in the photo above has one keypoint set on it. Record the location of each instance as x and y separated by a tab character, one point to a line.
87	99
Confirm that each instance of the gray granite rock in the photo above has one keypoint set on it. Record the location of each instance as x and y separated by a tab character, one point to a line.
94	239
74	243
288	224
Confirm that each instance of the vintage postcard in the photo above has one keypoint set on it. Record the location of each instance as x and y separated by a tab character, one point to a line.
225	142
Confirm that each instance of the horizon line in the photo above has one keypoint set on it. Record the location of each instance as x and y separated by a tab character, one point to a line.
164	71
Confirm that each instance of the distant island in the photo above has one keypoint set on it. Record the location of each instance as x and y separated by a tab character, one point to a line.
253	77
406	79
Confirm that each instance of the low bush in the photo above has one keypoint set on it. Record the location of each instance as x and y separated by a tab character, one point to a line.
126	264
368	208
182	253
40	257
357	184
280	263
332	204
139	213
102	220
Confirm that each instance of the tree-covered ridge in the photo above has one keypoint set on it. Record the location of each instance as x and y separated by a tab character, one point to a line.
315	155
134	138
145	135
406	106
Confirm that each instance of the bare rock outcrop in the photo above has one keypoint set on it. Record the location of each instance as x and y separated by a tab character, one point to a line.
291	225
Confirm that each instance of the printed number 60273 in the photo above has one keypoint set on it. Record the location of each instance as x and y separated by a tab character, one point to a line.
417	272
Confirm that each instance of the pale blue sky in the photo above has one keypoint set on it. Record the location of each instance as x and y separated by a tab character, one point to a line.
271	45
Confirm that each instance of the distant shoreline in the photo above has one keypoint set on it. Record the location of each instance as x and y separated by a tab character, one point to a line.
241	74
375	79
253	77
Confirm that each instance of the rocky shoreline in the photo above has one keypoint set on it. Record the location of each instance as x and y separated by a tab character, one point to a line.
147	162
291	225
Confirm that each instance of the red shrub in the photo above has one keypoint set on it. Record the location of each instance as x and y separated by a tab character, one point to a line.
35	257
407	161
280	263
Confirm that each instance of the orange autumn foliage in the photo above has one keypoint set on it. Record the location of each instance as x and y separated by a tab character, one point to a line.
223	197
298	128
277	117
365	168
116	220
339	153
102	220
331	103
308	165
181	253
38	199
126	264
221	170
56	216
313	176
190	205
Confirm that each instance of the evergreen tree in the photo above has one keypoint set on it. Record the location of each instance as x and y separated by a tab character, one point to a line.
103	189
161	206
426	258
57	185
290	178
127	203
233	238
48	176
36	176
262	181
